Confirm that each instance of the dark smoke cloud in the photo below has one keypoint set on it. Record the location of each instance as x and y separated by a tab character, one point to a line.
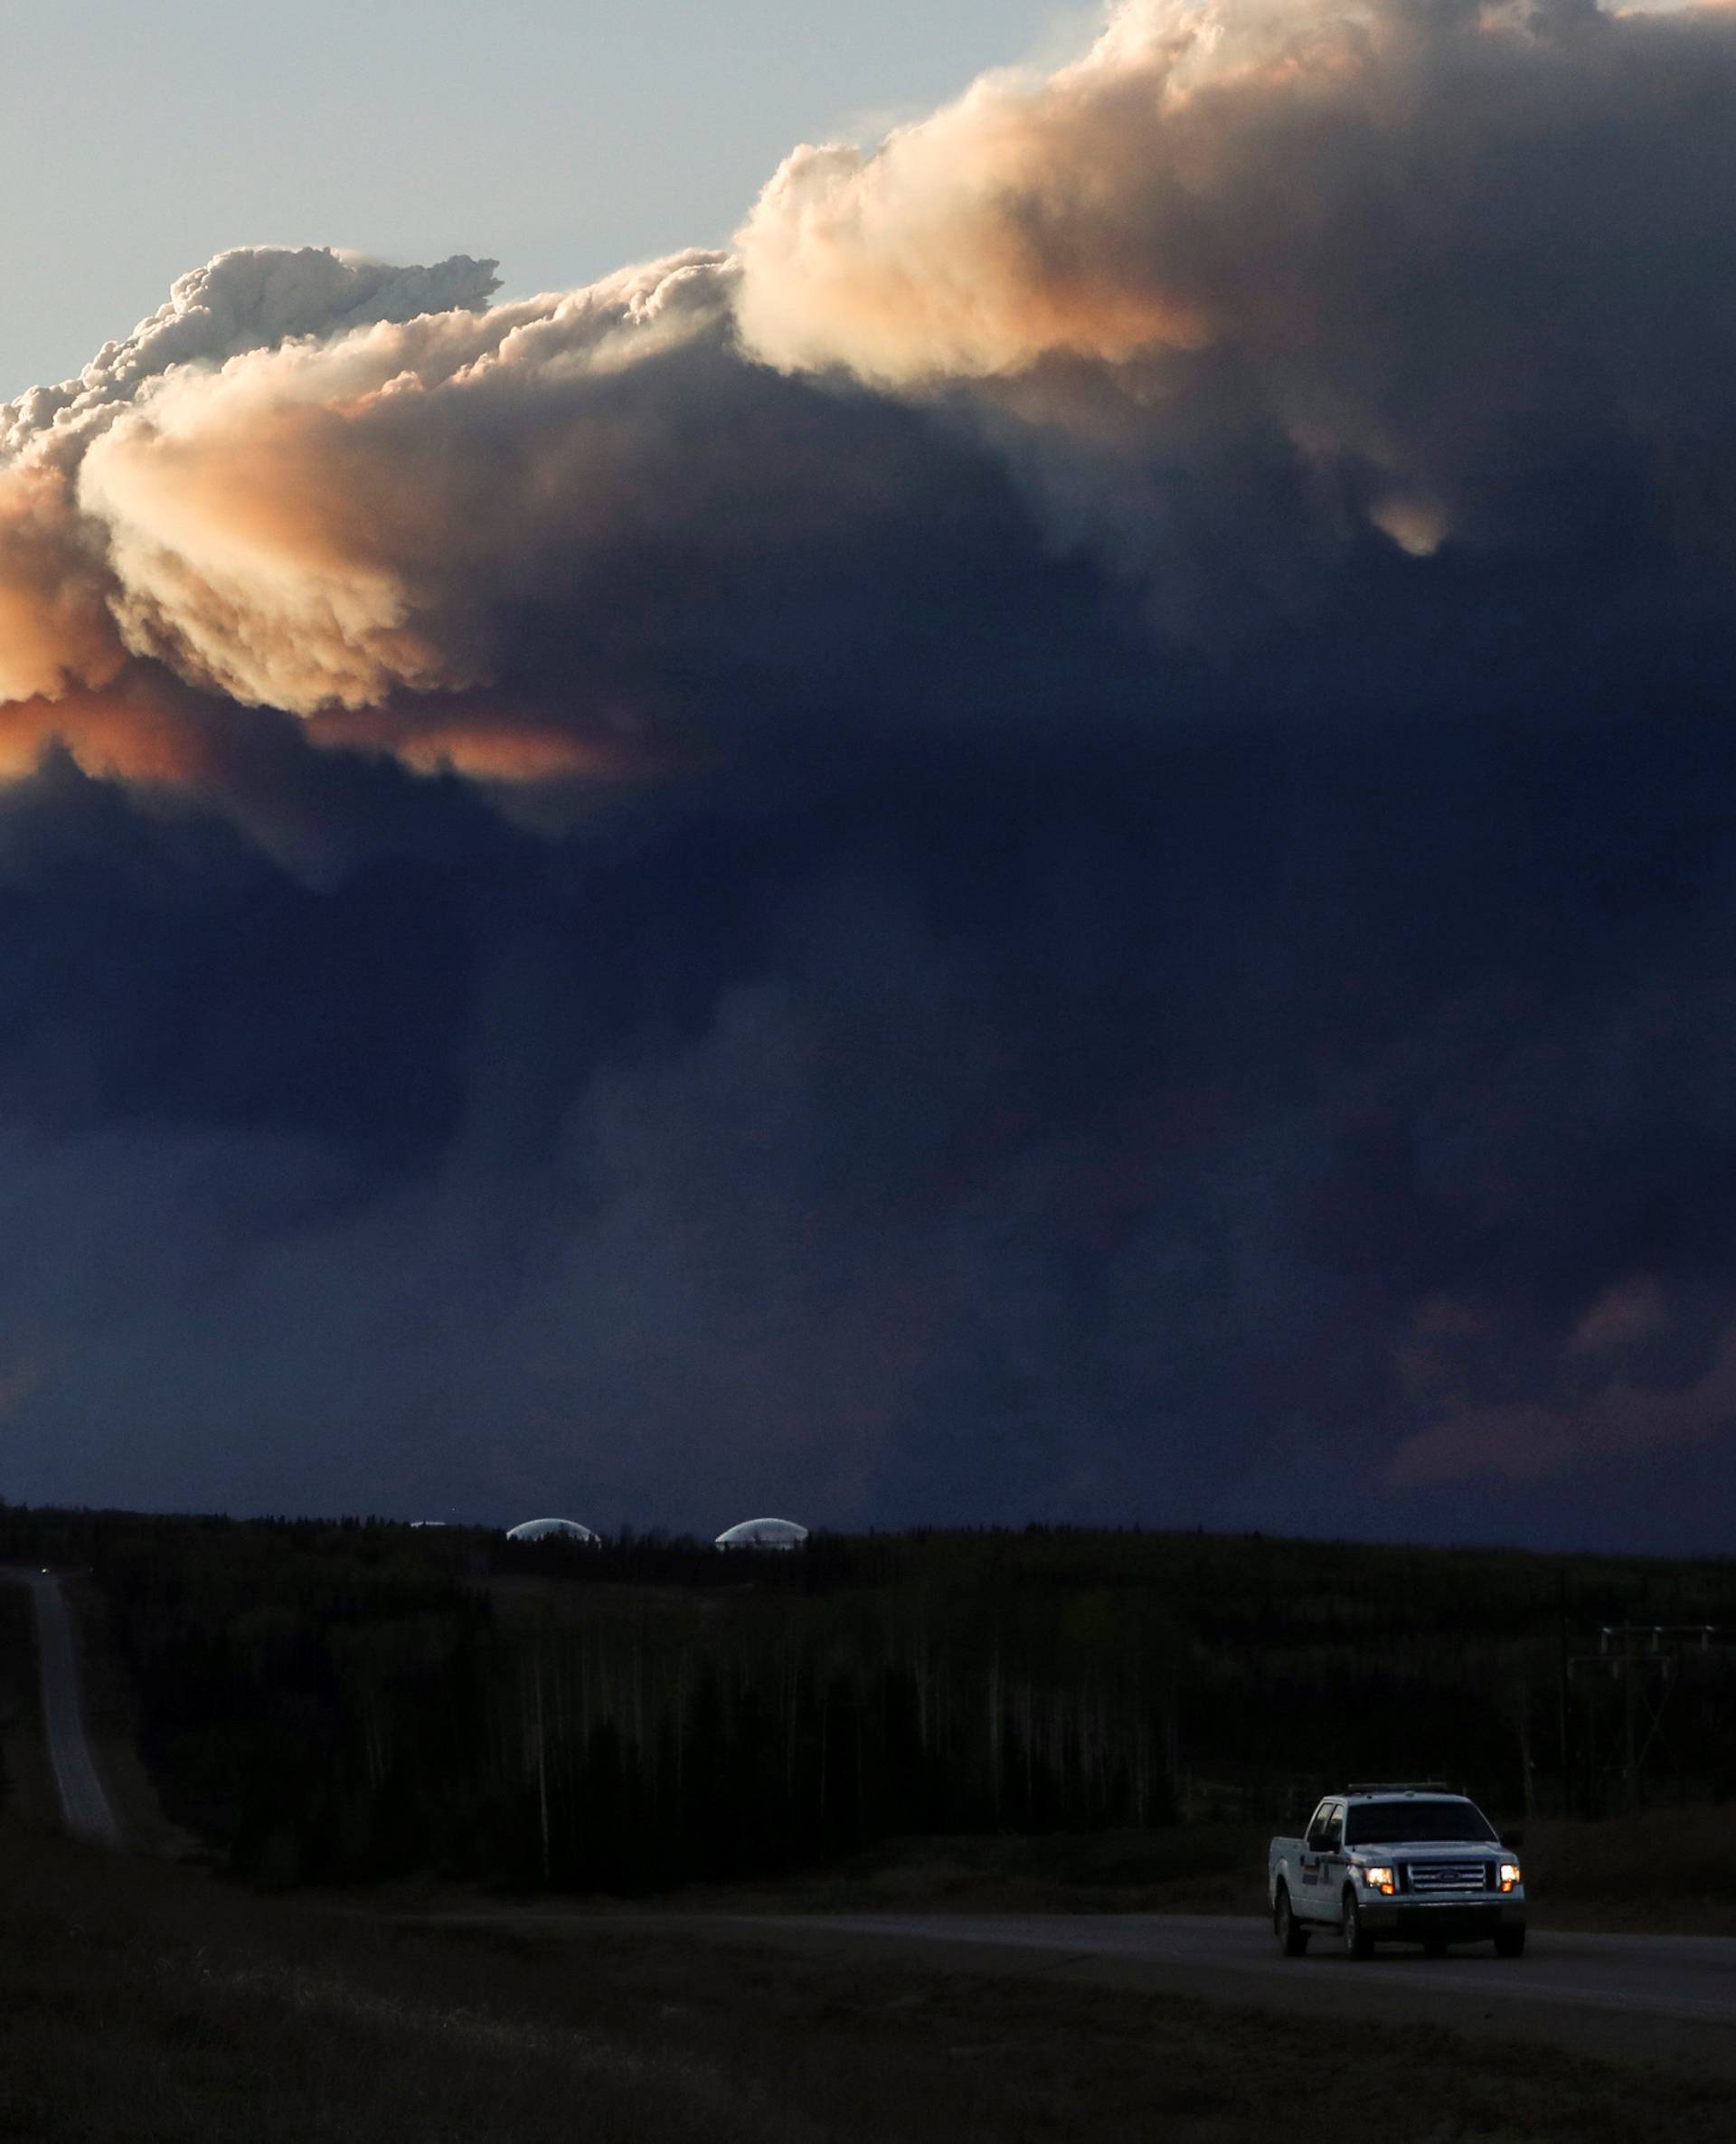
1055	843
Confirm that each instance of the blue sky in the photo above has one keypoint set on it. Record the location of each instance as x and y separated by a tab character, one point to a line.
565	141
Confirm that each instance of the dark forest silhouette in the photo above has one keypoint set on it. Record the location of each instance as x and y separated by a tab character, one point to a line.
339	1702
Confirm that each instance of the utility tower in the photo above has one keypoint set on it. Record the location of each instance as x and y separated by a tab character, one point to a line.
1653	1691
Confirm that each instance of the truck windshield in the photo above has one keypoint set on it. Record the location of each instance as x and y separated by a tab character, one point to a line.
1398	1823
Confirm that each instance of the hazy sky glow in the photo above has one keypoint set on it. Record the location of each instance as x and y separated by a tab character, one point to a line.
1038	826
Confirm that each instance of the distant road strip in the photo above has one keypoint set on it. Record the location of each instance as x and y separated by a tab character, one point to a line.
84	1806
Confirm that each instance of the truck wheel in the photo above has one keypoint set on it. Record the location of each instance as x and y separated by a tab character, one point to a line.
1510	1943
1292	1937
1358	1943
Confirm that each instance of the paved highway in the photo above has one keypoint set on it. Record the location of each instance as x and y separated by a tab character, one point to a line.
1664	1997
84	1806
1690	1978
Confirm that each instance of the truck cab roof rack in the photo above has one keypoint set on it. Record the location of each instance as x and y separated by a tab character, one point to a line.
1401	1787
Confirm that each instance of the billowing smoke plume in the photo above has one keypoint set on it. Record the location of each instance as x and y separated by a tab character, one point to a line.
255	297
1280	269
1051	839
1244	278
57	604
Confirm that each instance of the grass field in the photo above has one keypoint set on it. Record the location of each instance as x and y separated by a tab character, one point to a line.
144	2003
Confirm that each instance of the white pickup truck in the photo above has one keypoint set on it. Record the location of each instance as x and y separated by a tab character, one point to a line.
1407	1864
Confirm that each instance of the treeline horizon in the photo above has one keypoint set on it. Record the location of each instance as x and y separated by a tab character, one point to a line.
346	1701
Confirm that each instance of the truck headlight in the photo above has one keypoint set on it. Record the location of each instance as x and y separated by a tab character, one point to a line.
1380	1879
1509	1873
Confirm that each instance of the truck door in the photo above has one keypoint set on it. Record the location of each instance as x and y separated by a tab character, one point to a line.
1322	1859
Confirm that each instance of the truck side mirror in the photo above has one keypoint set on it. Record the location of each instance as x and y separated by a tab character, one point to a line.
1516	1839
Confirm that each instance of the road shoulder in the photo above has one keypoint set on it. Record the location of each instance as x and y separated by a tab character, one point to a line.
29	1792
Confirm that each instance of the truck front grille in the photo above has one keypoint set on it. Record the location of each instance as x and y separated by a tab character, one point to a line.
1448	1923
1433	1876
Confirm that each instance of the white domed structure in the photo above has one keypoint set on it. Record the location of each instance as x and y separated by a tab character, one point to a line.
554	1529
764	1532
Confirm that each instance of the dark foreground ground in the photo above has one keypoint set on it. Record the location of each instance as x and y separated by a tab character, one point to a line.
140	2002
